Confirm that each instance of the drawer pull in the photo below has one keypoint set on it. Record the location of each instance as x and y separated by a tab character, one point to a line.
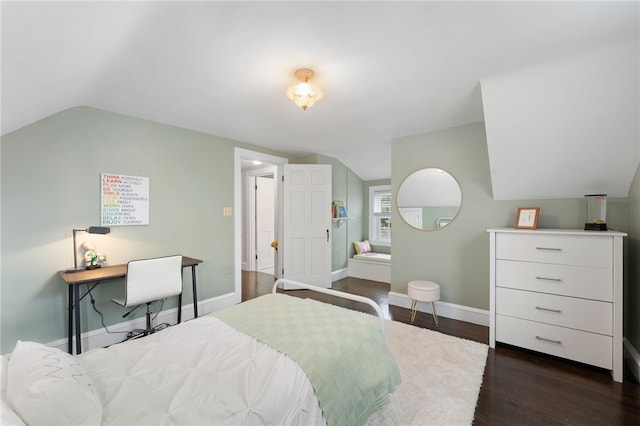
549	279
548	249
558	342
540	308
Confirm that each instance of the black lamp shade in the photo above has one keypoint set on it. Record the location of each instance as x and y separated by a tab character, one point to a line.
98	230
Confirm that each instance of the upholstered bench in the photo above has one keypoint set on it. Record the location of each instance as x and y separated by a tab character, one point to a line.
371	266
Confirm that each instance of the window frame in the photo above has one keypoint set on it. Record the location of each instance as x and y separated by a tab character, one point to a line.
373	216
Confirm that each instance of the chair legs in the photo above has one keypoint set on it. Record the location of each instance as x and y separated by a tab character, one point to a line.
134	334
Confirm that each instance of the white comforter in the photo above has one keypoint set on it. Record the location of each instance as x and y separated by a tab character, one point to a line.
201	372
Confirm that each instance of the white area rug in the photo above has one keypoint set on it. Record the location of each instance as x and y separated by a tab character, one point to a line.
441	378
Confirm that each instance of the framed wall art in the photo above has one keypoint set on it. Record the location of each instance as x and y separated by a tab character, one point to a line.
124	200
527	217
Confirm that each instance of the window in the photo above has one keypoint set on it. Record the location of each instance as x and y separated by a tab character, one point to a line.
380	215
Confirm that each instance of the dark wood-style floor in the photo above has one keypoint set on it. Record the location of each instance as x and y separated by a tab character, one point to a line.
519	386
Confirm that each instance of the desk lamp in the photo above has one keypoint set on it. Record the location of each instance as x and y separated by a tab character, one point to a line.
91	230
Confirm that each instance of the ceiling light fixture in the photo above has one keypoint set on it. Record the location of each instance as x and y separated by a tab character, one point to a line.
304	94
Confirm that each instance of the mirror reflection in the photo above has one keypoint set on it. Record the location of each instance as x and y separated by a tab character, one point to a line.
429	199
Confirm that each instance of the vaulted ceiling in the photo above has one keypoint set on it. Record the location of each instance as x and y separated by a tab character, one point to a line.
388	69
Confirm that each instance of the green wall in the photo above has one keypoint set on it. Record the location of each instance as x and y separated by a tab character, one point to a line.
50	181
50	174
457	256
632	284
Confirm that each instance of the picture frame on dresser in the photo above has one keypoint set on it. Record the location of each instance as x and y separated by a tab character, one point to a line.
527	218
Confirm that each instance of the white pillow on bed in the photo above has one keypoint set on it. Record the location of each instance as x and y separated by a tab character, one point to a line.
47	386
8	417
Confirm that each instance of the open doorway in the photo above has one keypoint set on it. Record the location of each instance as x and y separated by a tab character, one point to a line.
305	243
259	214
254	212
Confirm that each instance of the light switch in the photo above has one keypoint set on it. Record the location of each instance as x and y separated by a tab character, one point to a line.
226	211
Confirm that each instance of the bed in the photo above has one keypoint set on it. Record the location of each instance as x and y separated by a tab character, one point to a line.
276	359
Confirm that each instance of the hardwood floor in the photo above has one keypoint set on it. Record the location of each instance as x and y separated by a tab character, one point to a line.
519	386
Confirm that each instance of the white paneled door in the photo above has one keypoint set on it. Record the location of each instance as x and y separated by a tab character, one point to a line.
413	216
265	222
306	219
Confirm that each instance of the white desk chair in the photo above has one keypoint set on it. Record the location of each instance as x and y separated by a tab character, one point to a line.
149	280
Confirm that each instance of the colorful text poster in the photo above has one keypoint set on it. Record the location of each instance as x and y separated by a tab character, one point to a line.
125	200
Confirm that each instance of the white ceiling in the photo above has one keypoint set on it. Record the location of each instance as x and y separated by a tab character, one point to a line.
388	69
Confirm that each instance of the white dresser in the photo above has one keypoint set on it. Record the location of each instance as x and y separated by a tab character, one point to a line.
559	292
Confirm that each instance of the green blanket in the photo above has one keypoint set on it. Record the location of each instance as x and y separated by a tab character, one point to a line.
342	352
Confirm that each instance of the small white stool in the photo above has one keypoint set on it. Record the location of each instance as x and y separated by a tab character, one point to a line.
423	291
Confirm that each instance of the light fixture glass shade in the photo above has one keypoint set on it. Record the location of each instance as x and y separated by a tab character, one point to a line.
304	94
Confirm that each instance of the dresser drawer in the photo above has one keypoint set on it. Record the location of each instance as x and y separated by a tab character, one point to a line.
580	314
578	281
580	250
581	346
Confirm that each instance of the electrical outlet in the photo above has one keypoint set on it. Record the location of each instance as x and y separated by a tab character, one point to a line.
226	211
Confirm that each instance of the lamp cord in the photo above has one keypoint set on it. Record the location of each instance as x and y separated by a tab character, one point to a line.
159	309
93	304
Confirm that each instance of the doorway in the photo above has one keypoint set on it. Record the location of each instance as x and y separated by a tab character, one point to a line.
259	217
309	239
245	233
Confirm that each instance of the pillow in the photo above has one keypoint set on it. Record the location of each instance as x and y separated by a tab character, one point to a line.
4	364
8	417
47	386
362	246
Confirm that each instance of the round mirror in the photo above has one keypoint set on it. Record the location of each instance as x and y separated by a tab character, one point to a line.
429	199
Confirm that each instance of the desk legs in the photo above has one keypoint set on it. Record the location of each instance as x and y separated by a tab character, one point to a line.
74	311
195	291
70	320
195	296
76	295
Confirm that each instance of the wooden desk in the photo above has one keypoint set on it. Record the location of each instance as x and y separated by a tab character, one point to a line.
75	279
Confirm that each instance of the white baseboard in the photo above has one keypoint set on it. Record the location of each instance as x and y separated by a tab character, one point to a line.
339	274
100	338
444	309
631	358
